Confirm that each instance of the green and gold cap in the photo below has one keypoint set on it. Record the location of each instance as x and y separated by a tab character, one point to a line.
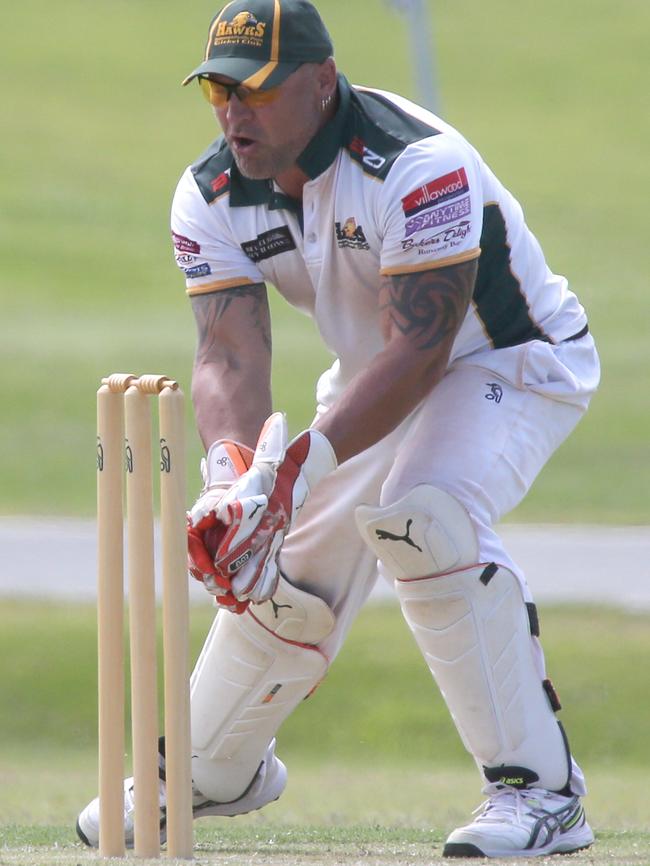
260	42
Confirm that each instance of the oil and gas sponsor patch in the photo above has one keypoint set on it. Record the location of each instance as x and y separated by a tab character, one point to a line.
269	243
442	189
439	216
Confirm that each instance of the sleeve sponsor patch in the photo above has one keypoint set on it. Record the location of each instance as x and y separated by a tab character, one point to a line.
202	270
269	243
440	241
439	216
185	260
185	245
437	191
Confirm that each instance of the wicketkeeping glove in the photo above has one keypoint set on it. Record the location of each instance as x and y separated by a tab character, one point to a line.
254	515
226	461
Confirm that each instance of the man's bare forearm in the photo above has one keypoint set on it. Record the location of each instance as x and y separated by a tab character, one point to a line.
231	388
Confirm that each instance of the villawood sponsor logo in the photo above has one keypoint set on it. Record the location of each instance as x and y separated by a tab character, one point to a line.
440	216
269	243
351	235
436	192
244	28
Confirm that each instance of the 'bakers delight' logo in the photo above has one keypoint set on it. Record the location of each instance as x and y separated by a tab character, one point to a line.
244	28
436	192
443	239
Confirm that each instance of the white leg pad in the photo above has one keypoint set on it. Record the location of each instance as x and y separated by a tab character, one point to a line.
476	640
471	624
246	682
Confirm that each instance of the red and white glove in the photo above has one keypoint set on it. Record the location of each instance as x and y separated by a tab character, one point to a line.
255	514
225	462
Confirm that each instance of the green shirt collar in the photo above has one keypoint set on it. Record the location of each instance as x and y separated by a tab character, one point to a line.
322	150
316	158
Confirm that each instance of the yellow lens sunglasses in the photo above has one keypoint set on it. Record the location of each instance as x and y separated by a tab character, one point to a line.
219	94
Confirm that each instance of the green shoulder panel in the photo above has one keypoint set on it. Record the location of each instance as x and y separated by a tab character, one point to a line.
211	170
216	174
378	131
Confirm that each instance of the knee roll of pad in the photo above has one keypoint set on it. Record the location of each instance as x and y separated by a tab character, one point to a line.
428	531
295	615
246	682
472	626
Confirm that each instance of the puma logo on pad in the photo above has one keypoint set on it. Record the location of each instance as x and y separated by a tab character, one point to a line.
384	535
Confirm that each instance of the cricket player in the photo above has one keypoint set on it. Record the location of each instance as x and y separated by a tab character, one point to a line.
461	363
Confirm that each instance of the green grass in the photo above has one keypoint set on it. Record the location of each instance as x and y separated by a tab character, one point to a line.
376	770
329	814
317	846
377	705
98	132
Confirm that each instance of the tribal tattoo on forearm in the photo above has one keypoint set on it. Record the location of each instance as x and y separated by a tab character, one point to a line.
428	306
210	309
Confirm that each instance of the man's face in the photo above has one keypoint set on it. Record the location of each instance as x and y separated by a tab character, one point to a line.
266	141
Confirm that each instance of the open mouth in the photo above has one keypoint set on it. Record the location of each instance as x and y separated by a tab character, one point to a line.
241	142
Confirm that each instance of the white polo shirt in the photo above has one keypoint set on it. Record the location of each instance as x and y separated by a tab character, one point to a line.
392	189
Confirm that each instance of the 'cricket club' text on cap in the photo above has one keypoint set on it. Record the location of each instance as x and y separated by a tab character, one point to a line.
260	42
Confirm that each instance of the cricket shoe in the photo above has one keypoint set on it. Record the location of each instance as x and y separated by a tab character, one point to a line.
528	822
268	784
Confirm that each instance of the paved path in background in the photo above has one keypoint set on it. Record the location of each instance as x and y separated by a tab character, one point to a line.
56	557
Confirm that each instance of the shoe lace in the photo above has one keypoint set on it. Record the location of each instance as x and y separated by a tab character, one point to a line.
505	802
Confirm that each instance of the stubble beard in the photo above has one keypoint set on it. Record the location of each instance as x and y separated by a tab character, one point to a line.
262	167
272	161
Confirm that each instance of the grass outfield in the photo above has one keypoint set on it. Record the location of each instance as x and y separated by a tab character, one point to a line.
100	131
334	815
376	771
377	704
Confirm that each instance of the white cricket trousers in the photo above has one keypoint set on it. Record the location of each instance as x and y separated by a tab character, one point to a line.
483	435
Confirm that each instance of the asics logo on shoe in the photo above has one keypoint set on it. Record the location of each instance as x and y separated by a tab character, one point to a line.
531	822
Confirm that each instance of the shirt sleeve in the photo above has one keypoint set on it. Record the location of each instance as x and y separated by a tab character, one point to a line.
432	207
205	248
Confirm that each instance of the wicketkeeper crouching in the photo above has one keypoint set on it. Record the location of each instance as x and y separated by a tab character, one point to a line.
461	364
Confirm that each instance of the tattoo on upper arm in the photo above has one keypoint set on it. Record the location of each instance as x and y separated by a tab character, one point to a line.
428	306
211	308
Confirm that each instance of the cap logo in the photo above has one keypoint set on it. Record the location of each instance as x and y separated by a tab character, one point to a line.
244	29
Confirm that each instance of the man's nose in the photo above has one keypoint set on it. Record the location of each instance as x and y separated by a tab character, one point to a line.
236	109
